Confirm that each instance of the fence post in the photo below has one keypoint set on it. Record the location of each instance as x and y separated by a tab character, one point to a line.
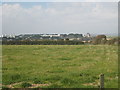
102	81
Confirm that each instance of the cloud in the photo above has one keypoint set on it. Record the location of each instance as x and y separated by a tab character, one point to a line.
60	18
61	1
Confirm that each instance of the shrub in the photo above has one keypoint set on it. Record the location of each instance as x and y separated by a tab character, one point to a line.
5	88
37	82
25	84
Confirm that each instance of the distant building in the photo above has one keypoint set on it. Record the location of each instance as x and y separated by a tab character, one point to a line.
88	35
46	37
33	37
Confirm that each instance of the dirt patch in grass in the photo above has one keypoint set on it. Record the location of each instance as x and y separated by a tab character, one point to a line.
91	84
32	85
12	85
38	85
94	84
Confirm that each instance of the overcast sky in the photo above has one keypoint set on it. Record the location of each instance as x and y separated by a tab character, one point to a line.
20	18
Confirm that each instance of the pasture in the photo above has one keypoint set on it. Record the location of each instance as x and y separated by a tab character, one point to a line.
59	66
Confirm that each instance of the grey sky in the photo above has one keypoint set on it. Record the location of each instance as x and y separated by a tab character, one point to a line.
20	18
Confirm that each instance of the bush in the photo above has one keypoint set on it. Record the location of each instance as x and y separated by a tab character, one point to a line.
37	82
25	84
42	42
100	39
5	88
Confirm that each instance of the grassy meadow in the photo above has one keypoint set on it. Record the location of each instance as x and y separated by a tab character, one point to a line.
59	66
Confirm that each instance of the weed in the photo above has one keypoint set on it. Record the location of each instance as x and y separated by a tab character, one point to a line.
25	85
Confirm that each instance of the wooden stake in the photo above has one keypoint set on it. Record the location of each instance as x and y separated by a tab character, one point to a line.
102	81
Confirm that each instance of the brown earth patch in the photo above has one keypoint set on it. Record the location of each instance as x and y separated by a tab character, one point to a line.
33	85
38	85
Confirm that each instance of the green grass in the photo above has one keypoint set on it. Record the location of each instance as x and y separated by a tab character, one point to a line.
63	66
25	84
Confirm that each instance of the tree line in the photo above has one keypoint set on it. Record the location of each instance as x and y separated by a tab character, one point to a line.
102	39
42	42
98	40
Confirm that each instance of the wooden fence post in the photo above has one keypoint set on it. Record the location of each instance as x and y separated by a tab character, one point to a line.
102	81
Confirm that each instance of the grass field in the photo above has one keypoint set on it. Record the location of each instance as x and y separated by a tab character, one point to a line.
59	66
